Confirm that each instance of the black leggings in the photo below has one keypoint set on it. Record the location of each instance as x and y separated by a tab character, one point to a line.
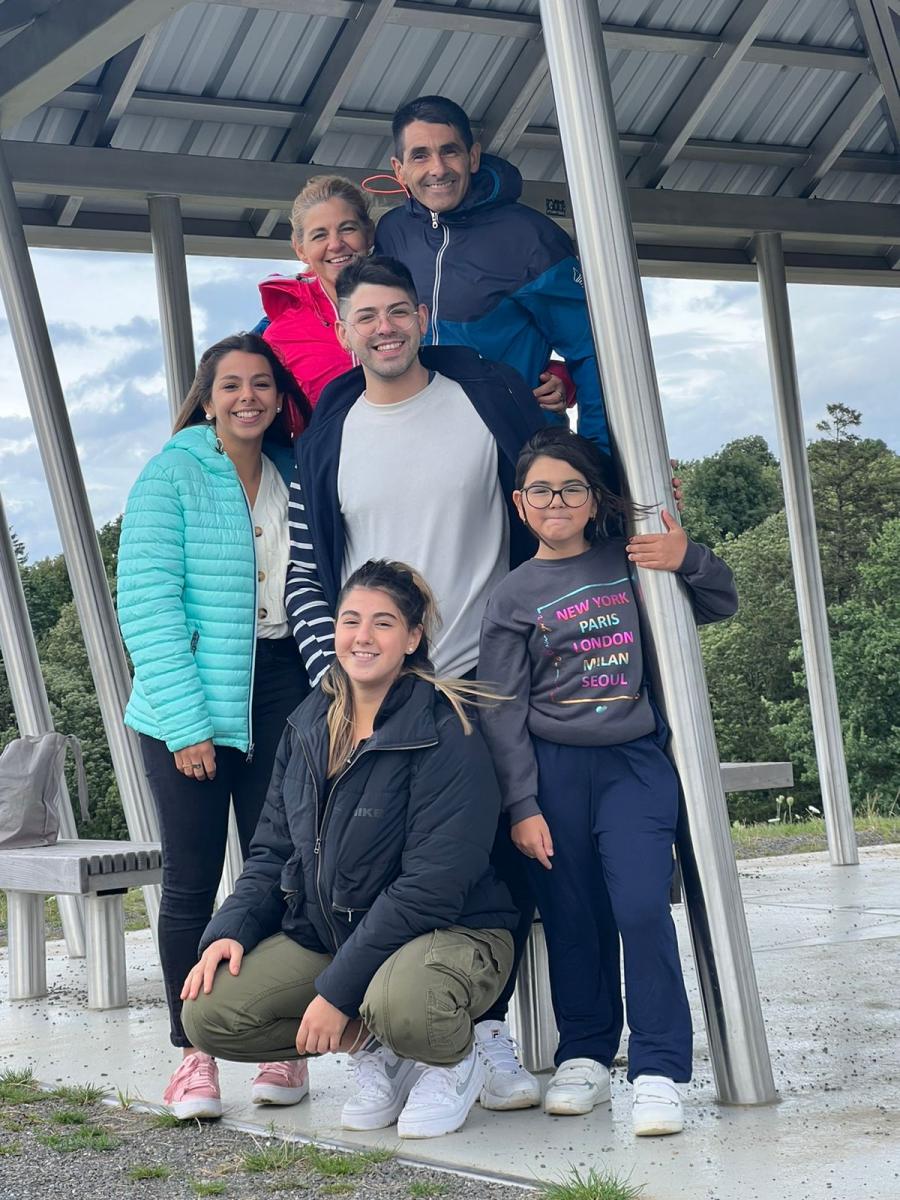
193	815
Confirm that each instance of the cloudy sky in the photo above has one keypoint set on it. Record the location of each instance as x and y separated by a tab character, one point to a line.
707	340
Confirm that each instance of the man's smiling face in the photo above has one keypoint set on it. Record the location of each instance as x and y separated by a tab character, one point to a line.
436	166
383	328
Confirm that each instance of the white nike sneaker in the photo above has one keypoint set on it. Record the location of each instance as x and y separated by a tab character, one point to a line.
384	1081
578	1086
506	1082
442	1098
657	1108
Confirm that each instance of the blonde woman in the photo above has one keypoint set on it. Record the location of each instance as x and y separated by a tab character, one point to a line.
368	917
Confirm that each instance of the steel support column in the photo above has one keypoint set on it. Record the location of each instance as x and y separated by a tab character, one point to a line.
801	520
31	706
96	614
584	106
167	241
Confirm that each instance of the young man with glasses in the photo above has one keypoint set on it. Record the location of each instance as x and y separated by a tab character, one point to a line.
411	456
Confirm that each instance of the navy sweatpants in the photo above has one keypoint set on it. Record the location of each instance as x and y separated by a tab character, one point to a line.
612	812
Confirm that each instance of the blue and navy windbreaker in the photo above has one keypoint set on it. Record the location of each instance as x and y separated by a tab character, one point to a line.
503	279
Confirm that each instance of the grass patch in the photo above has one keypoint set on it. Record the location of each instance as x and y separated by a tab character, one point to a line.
20	1087
424	1189
69	1116
596	1185
9	1149
141	1172
330	1163
199	1188
378	1154
79	1093
803	837
87	1137
275	1157
167	1120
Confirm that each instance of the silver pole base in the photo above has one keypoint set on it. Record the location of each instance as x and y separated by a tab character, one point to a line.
531	1010
105	929
27	952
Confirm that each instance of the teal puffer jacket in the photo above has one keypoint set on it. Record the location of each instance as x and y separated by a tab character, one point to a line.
187	596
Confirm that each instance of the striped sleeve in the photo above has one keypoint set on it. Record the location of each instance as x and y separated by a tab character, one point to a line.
308	613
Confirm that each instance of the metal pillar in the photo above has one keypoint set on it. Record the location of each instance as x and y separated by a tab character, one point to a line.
584	106
96	614
31	706
801	521
167	240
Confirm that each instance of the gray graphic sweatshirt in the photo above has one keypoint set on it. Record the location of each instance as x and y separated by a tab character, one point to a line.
562	637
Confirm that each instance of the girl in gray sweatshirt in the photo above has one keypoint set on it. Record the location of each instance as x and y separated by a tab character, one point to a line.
591	797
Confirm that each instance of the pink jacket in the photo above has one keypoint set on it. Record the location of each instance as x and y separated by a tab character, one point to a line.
301	329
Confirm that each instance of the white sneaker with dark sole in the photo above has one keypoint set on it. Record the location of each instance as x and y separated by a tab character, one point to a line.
384	1081
657	1108
578	1086
442	1098
507	1085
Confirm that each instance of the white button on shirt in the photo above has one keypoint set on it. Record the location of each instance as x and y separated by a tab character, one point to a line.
270	521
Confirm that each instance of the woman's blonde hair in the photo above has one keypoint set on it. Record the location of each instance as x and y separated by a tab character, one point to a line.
416	603
322	188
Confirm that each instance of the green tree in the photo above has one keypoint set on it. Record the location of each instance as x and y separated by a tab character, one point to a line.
731	491
73	703
747	657
866	650
856	489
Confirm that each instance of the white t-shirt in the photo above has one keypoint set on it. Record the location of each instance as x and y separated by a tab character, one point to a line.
417	482
272	541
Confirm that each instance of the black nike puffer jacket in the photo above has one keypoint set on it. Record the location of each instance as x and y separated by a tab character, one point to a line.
397	845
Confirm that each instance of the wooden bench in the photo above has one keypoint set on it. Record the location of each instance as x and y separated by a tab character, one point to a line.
531	1009
101	872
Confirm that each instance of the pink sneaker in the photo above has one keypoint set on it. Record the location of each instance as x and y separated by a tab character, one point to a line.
193	1090
281	1082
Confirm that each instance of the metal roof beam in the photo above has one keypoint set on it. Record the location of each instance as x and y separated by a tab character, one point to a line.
702	90
280	116
42	168
340	69
619	37
880	38
338	72
835	136
117	86
521	92
230	238
16	14
65	43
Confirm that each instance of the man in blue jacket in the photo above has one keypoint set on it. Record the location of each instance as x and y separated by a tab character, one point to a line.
412	456
497	276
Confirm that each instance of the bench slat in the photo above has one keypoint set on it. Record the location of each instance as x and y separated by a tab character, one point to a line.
66	867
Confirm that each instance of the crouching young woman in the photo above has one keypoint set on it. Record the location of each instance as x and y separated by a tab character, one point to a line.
367	917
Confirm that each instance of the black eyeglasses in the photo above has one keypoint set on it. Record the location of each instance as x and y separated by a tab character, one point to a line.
573	495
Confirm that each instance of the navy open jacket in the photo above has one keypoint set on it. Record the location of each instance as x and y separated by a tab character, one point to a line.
396	846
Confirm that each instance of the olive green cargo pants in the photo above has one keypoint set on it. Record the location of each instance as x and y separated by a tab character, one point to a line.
421	1003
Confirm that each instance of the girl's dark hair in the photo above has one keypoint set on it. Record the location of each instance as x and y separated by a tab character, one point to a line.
295	409
433	110
416	603
584	457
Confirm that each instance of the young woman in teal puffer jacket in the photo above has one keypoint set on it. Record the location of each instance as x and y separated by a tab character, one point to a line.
202	565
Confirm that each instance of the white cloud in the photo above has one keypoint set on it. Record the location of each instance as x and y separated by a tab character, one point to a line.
707	337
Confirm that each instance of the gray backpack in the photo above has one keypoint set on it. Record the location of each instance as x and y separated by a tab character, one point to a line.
31	780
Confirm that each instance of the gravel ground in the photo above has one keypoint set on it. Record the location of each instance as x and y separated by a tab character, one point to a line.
133	1156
